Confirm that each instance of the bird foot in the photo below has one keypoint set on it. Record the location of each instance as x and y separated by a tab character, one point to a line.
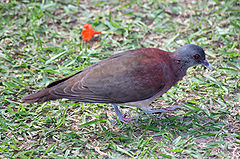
124	120
121	117
162	110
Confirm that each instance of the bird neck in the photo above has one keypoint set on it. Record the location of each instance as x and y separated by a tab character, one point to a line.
183	62
180	66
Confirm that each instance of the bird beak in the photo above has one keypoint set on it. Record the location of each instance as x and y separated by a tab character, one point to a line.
206	64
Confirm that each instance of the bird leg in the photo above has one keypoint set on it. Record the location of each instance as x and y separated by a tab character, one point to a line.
120	117
149	111
162	110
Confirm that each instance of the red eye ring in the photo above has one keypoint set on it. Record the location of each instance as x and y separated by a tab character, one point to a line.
197	56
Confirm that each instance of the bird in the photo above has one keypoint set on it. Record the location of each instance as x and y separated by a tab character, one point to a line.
133	78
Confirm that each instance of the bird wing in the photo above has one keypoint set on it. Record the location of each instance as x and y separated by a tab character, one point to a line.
126	77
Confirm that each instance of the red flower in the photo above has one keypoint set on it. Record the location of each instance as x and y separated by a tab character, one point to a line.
88	32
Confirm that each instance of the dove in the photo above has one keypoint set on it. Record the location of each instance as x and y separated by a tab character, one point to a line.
133	78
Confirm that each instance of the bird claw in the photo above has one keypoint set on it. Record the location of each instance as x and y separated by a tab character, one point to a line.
125	120
159	116
121	117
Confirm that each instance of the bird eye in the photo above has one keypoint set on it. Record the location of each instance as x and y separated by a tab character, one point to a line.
197	56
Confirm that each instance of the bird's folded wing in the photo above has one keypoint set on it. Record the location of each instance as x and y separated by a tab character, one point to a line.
131	79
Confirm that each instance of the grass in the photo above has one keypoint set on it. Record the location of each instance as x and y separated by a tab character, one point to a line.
41	42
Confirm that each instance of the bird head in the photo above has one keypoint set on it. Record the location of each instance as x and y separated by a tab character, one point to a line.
191	55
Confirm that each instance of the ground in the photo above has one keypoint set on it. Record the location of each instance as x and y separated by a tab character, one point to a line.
40	42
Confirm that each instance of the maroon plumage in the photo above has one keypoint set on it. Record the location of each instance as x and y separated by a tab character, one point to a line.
135	78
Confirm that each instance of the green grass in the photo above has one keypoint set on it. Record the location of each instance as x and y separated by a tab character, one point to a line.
41	42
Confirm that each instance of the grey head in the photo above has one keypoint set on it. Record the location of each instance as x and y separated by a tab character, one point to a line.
191	55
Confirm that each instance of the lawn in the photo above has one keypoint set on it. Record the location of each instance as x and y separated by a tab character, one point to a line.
40	41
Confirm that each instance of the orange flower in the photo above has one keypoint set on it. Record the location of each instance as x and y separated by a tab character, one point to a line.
88	32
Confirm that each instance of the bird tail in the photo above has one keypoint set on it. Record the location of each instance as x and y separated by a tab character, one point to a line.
39	97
